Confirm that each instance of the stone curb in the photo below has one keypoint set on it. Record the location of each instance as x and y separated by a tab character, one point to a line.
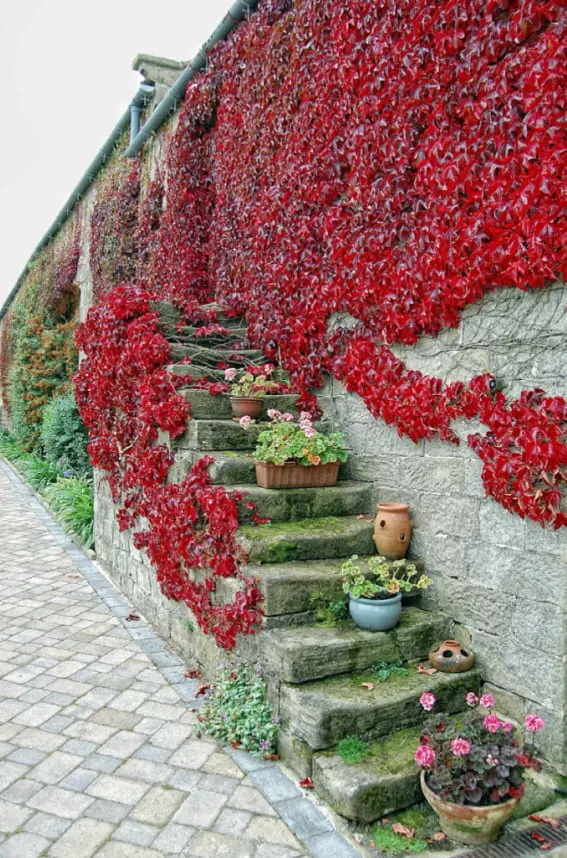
303	818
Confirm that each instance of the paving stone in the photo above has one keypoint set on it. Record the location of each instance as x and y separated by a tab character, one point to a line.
47	825
303	818
220	764
331	843
60	802
136	832
10	772
122	744
55	767
173	838
248	798
23	845
232	821
12	816
82	839
158	806
192	754
79	779
171	735
107	811
207	843
27	756
200	809
21	791
39	739
218	783
101	763
185	779
119	849
274	785
148	726
112	788
145	770
271	850
272	830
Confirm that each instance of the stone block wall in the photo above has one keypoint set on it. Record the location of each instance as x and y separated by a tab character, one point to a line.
504	580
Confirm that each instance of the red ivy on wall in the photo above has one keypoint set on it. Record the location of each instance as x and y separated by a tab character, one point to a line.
125	397
391	160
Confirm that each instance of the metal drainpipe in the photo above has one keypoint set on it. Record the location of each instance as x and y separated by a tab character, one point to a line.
176	94
135	112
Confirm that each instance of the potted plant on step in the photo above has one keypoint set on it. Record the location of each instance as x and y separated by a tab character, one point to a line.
472	772
246	392
293	454
375	589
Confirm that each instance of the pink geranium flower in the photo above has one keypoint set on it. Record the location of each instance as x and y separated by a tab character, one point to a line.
487	700
424	756
460	747
246	421
427	700
508	726
274	414
230	373
471	699
287	417
492	723
534	722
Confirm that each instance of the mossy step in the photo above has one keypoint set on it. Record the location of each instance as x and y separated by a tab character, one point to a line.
388	780
313	652
314	539
322	713
190	334
202	354
344	498
206	406
224	435
170	316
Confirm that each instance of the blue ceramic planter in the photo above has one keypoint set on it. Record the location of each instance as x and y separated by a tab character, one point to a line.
376	615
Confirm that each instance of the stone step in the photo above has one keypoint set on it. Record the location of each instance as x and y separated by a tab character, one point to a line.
230	468
314	652
170	316
208	356
201	371
190	334
388	780
315	539
225	435
322	713
217	407
345	498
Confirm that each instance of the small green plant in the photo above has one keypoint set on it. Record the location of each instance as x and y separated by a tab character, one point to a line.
329	613
289	441
72	502
353	749
393	844
238	712
384	671
379	578
64	436
38	472
10	448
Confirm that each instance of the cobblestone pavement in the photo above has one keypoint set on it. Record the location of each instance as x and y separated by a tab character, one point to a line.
99	751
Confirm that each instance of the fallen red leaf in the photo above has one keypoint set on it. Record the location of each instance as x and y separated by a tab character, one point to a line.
439	835
398	828
537	817
72	576
271	756
369	685
428	670
535	835
236	745
193	674
307	783
132	617
203	689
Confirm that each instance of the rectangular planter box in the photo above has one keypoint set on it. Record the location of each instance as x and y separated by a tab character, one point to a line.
293	476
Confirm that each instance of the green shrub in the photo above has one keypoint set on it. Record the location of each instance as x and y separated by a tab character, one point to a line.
238	711
72	501
10	448
64	435
38	472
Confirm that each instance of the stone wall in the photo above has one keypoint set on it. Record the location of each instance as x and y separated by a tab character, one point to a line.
503	579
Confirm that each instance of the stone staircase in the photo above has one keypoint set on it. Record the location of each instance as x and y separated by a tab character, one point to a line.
322	681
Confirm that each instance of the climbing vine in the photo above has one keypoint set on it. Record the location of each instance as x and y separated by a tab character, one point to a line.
394	161
113	227
125	396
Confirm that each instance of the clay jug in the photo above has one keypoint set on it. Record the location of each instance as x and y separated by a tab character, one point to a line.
392	530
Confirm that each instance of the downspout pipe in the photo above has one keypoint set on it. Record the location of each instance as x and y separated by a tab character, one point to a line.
142	97
168	105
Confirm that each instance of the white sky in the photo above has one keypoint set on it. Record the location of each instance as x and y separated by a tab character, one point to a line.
66	81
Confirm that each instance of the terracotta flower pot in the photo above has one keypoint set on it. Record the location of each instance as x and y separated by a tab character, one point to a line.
246	406
291	475
467	823
392	530
450	657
